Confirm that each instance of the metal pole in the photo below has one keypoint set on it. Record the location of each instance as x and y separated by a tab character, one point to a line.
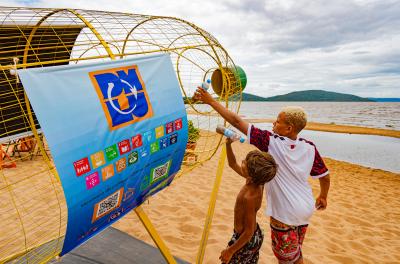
154	235
211	207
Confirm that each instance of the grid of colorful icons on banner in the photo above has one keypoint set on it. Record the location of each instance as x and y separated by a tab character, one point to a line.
104	164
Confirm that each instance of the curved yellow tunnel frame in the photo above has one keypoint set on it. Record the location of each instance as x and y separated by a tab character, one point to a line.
46	38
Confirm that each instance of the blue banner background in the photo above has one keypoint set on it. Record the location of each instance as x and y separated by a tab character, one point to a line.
74	122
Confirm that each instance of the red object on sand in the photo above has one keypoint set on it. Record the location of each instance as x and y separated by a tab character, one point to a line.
4	156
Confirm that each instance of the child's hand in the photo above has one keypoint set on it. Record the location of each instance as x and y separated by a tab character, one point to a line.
203	96
321	203
226	255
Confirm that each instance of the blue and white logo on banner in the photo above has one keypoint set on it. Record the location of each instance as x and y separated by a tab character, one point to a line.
117	132
122	94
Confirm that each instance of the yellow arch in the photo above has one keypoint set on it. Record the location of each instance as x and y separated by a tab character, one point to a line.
32	123
200	31
25	58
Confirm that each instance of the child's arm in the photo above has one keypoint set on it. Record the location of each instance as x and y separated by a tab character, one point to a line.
229	116
322	201
249	227
231	158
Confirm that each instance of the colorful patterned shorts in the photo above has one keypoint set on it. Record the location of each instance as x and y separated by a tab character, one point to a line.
287	241
249	253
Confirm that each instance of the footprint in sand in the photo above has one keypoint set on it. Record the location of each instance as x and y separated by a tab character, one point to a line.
358	222
359	247
190	228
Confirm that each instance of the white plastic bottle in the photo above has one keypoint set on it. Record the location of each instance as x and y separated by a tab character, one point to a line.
230	134
206	85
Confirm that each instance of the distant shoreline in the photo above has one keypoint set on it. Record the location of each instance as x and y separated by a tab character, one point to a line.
311	96
395	100
340	128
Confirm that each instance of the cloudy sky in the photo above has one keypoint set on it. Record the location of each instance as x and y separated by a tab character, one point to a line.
349	46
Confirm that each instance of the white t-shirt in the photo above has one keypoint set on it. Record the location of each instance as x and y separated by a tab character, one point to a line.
289	195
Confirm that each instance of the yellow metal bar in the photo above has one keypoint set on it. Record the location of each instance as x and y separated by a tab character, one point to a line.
211	207
154	235
42	63
32	34
99	37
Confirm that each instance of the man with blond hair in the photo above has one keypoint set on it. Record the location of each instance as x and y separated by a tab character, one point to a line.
290	202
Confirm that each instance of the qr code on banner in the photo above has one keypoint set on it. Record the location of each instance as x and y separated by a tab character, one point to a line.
160	171
107	205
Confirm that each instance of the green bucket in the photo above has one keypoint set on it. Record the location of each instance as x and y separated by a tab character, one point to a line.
233	81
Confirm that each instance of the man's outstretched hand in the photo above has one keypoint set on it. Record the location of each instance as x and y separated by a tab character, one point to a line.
203	96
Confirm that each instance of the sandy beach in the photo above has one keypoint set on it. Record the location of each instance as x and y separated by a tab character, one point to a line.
360	224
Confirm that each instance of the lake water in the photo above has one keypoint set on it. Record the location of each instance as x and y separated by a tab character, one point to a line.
366	114
367	150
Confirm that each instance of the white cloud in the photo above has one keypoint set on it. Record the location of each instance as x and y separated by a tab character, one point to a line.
350	46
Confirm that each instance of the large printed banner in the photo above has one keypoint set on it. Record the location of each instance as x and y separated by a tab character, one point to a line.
117	132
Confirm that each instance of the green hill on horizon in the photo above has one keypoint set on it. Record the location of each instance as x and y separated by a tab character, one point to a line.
307	96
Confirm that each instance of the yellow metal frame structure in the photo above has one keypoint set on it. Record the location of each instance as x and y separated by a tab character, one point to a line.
42	37
211	207
154	235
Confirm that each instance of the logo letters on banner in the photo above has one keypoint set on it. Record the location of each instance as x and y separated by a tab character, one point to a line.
122	95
